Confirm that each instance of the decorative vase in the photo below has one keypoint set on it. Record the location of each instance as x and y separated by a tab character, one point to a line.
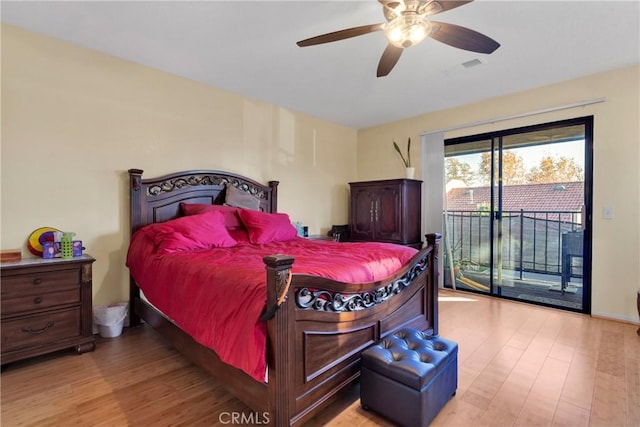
410	172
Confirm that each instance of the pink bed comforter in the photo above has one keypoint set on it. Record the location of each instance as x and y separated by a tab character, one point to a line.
217	295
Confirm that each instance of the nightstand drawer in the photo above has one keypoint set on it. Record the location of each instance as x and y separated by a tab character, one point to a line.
21	284
40	329
39	301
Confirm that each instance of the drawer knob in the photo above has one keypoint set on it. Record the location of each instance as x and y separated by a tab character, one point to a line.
37	331
37	300
37	281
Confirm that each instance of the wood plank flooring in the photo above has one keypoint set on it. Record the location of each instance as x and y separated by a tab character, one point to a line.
519	365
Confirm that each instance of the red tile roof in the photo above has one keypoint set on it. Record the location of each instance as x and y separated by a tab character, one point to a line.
562	196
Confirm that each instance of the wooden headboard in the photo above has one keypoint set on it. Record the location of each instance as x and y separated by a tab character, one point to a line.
158	199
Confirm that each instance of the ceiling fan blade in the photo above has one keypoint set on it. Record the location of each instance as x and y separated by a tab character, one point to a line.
340	35
388	59
444	6
462	38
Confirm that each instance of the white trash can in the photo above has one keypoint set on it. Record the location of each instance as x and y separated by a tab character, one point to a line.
110	318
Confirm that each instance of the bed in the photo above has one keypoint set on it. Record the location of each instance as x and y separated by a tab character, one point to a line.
316	327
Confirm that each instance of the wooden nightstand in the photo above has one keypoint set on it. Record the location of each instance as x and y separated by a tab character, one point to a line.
46	306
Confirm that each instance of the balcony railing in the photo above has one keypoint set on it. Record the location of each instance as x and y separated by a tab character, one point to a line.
531	240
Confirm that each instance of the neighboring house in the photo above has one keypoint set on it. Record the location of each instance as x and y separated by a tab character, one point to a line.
543	198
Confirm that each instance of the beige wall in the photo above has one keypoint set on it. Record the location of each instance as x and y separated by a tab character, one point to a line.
616	243
74	120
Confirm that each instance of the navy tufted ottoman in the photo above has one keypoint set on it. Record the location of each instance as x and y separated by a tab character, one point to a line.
409	376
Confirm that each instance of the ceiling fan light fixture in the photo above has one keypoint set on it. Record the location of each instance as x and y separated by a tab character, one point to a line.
407	30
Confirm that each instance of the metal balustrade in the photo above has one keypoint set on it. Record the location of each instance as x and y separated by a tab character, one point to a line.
531	240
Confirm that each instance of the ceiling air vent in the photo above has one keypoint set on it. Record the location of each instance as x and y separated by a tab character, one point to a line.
464	66
472	63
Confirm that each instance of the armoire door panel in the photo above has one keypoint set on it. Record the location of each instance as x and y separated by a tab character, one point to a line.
363	201
387	211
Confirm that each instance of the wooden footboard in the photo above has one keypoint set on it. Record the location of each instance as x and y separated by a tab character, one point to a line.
316	337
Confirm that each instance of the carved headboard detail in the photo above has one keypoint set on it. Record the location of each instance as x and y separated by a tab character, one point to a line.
158	199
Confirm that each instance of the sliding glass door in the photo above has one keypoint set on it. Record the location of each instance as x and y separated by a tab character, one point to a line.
517	222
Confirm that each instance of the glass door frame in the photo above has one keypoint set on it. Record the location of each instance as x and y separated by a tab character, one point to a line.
496	139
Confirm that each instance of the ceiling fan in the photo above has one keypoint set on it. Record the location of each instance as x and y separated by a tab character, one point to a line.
408	23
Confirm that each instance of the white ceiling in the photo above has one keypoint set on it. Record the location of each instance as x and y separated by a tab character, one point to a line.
248	47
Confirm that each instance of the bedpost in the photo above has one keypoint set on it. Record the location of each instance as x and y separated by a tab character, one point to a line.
135	181
274	195
280	349
433	239
135	178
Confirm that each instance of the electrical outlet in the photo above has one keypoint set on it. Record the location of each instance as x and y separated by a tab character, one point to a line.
607	212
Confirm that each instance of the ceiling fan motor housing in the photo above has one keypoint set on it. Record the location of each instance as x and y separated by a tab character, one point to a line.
393	9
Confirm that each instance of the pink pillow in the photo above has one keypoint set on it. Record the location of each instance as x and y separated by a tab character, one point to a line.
240	235
231	218
267	227
193	232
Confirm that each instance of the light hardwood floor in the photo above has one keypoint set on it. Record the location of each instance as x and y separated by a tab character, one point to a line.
519	365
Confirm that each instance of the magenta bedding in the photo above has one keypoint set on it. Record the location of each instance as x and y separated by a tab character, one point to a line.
217	294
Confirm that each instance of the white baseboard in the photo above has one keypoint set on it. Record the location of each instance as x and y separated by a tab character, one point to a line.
617	317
